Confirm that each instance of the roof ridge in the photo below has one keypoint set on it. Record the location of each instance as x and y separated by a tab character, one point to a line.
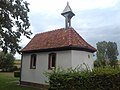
70	36
49	31
85	43
88	45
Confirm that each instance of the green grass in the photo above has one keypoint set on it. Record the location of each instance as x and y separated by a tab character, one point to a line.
9	82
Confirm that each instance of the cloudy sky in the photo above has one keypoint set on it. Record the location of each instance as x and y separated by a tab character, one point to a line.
94	20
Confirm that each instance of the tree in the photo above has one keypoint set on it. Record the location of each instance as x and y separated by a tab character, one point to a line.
1	59
13	14
112	53
6	61
107	53
101	53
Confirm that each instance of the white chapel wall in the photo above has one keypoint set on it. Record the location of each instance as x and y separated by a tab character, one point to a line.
35	75
63	59
81	58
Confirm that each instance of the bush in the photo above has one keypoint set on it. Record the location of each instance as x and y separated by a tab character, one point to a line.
98	79
17	74
14	68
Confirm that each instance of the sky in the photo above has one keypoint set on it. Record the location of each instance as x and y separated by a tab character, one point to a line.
94	20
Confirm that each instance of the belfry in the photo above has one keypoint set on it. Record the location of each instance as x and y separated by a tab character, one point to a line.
68	14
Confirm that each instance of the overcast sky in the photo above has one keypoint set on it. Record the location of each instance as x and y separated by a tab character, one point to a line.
94	20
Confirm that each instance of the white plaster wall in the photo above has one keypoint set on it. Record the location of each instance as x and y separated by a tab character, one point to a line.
34	75
63	59
80	57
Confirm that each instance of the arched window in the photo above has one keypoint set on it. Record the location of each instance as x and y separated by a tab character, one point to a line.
88	56
52	61
33	61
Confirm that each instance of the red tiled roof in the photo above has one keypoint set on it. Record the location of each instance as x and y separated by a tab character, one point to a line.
55	39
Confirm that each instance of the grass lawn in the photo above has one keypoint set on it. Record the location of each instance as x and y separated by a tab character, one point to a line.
8	82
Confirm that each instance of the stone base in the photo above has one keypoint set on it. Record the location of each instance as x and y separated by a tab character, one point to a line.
34	85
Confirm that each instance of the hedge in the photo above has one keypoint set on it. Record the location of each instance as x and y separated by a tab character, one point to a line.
98	79
16	73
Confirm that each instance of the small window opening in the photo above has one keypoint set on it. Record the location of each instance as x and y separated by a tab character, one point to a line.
52	61
33	61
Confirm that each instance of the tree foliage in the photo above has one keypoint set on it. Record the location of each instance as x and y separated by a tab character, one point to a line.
14	22
106	54
6	61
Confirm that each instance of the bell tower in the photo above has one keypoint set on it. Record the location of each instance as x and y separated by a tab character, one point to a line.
68	14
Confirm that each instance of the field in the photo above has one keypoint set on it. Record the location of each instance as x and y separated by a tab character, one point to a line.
8	82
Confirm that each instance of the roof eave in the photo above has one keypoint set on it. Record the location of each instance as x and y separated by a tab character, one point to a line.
60	49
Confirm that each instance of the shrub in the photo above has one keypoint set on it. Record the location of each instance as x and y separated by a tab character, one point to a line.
14	68
17	74
72	79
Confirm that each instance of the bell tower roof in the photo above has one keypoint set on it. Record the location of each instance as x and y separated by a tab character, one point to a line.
67	9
